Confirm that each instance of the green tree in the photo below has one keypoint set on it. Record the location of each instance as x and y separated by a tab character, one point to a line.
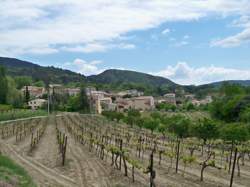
132	117
205	129
39	83
232	89
235	133
151	124
180	127
83	100
245	115
73	104
3	85
27	94
22	81
14	97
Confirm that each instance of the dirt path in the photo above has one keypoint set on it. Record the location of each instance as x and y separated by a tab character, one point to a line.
42	175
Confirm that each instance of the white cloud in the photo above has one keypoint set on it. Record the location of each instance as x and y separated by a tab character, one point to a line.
233	41
165	31
180	43
27	24
97	47
84	67
182	73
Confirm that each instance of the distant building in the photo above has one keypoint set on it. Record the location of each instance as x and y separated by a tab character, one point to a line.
189	96
170	98
73	91
131	93
94	95
138	103
56	88
205	101
89	90
34	91
196	102
104	104
36	103
144	103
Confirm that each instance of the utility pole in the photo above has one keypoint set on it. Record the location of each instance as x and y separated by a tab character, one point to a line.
48	100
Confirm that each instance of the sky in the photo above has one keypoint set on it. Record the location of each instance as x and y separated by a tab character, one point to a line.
187	41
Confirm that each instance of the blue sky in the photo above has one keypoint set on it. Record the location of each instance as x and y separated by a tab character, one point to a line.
189	41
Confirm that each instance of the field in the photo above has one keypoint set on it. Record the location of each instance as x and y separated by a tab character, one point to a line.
87	150
12	174
20	113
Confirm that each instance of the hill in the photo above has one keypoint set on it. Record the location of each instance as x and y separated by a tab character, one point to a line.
114	79
16	67
240	82
114	76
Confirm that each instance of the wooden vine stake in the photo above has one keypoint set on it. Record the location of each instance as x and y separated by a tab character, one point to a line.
234	163
64	149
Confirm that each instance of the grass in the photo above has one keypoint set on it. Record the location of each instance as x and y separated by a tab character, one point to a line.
13	174
20	113
193	115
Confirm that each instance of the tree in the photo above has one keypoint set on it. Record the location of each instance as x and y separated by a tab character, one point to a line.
206	129
151	124
39	83
132	117
14	97
83	100
232	89
72	104
190	106
245	115
27	94
22	81
180	127
235	133
3	85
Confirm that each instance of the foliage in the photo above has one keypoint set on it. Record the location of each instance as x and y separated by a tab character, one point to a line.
48	75
166	107
132	117
60	101
234	132
179	125
83	100
231	106
189	106
20	113
22	81
205	129
27	94
112	115
39	83
10	170
79	102
14	96
150	124
3	86
245	115
5	107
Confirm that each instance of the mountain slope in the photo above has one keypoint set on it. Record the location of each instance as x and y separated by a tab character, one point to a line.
114	76
17	67
240	82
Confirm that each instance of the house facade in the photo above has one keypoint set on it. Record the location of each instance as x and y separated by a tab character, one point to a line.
36	103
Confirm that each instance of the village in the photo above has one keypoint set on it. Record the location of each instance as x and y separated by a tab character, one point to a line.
113	101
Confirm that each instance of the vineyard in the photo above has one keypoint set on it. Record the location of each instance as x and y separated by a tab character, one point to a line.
89	150
20	113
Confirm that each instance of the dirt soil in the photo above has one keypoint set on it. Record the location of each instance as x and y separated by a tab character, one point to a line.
44	163
85	169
